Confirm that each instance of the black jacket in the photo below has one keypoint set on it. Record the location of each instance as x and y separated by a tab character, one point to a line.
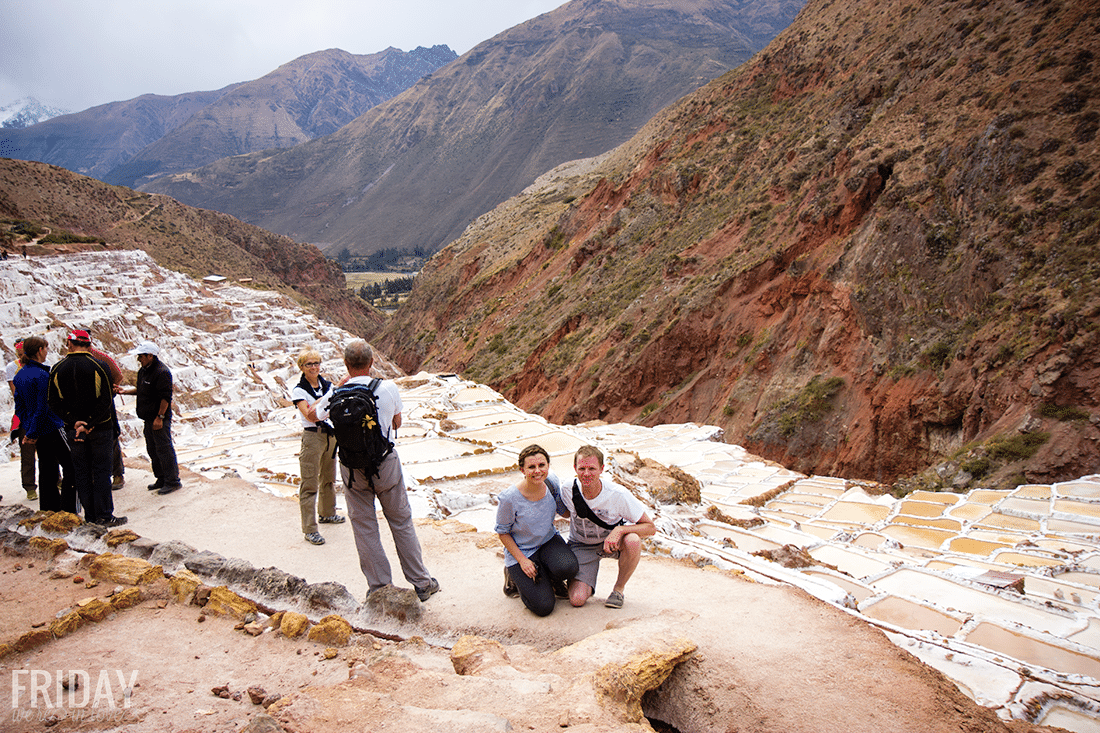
154	383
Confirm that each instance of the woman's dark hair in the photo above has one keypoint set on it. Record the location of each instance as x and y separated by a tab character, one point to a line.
31	345
532	450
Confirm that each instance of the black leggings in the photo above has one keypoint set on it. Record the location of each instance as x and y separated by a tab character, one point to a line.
555	562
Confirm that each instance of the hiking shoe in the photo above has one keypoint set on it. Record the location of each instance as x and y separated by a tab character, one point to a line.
113	521
510	588
169	488
334	519
117	483
32	494
561	589
315	538
154	486
426	592
615	600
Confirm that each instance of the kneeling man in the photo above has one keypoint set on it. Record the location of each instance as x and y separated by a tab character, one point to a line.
605	520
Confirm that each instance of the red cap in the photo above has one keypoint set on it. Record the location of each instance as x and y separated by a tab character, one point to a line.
80	337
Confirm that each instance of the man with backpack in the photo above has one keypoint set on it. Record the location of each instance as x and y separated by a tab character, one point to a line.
605	520
365	414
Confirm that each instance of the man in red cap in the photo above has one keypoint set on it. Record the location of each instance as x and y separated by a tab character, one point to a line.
81	394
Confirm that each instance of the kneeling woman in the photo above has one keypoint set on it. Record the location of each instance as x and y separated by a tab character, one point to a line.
538	560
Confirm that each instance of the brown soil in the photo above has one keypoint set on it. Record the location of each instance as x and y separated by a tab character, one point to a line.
769	658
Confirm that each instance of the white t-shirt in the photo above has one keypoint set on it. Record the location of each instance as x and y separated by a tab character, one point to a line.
386	397
613	503
11	369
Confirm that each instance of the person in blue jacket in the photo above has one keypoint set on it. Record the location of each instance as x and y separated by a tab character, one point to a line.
42	429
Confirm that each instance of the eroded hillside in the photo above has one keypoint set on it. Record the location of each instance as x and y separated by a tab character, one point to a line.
36	196
869	251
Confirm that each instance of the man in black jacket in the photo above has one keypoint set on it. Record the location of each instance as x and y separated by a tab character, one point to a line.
81	394
154	407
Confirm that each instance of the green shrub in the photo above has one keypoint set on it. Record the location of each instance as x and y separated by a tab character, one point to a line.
1017	447
809	405
1065	413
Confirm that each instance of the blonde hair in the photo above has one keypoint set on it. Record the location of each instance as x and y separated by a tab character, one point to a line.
588	450
307	355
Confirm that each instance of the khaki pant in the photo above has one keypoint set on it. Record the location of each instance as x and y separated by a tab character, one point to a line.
317	461
389	490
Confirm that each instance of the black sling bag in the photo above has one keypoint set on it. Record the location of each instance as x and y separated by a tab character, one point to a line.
585	512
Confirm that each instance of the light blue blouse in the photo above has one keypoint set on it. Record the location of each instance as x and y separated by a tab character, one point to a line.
531	523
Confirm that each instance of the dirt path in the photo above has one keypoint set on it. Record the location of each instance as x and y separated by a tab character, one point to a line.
770	658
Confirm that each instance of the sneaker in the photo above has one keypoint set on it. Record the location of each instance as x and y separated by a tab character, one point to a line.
113	521
117	483
615	600
153	487
427	591
510	588
32	494
314	538
334	519
169	488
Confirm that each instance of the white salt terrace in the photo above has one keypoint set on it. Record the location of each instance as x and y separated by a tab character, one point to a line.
1000	590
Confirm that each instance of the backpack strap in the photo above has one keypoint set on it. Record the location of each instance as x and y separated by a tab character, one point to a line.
585	512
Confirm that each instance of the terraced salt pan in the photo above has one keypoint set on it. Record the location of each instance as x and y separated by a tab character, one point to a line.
856	512
802	510
1038	507
922	537
742	539
909	614
1063	590
952	525
971	546
556	442
969	512
1011	557
986	496
858	591
1031	648
913	583
920	509
1082	511
1033	491
1091	580
784	535
1081	489
934	497
1004	521
1060	715
854	563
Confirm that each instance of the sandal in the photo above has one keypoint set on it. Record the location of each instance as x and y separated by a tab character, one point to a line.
315	538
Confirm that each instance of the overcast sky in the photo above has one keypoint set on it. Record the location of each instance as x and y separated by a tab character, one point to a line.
76	54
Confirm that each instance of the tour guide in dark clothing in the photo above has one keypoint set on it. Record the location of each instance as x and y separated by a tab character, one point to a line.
154	407
81	394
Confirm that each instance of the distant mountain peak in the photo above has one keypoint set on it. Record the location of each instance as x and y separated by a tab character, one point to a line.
26	112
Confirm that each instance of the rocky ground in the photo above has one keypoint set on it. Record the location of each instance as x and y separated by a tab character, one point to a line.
737	655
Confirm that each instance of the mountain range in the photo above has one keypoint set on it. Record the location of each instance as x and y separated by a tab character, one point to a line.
311	96
871	251
570	83
26	112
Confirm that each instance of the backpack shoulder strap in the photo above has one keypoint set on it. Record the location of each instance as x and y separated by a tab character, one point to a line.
585	512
